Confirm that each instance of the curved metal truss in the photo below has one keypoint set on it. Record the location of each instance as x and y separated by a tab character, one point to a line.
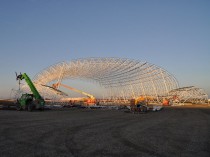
121	77
188	94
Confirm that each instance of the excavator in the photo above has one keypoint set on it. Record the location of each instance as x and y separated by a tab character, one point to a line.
29	101
91	100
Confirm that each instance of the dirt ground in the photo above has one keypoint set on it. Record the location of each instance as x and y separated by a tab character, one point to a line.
177	131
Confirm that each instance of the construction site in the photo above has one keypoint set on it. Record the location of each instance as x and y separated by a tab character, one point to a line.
134	108
117	80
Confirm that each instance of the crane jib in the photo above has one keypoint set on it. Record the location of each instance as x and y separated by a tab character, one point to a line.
31	86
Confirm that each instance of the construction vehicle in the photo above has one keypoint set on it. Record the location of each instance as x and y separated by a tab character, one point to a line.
138	105
29	101
91	100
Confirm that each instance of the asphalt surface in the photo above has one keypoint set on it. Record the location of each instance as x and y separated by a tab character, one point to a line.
172	132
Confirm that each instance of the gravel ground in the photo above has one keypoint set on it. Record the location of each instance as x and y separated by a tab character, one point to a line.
174	132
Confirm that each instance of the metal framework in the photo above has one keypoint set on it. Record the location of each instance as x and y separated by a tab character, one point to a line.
123	78
189	94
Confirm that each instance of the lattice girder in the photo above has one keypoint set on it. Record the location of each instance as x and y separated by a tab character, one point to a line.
130	77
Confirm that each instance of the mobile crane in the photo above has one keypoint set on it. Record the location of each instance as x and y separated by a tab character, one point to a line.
29	101
91	99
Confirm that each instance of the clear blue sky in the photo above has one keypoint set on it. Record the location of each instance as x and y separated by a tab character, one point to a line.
173	34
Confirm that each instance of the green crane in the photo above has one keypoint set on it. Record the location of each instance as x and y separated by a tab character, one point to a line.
29	101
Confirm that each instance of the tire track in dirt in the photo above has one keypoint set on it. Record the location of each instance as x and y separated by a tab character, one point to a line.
171	132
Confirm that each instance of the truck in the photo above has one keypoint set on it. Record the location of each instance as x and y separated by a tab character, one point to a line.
29	101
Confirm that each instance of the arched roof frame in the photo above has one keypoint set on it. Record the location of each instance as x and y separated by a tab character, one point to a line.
130	77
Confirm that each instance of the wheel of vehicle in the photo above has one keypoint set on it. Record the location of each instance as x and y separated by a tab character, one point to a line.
144	109
24	107
30	107
41	108
18	106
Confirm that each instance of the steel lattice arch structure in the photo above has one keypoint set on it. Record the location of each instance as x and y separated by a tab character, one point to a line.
121	77
188	94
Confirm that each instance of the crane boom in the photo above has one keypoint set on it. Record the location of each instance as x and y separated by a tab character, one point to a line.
74	89
30	84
